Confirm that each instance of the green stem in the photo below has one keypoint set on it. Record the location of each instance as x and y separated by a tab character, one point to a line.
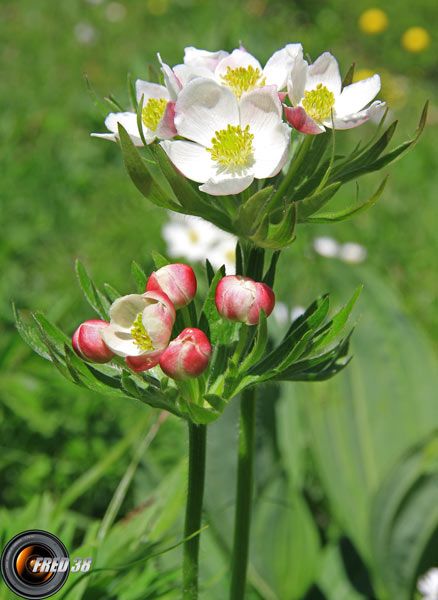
296	163
244	494
197	447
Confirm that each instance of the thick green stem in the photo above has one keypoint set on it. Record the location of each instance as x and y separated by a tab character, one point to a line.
244	494
195	494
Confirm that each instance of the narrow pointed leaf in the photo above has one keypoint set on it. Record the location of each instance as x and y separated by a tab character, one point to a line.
159	260
348	79
269	276
348	213
327	333
92	295
141	176
29	332
251	211
259	344
139	276
111	292
314	203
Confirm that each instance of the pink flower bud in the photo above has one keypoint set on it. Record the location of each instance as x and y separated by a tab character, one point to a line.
187	355
88	344
241	299
144	361
177	281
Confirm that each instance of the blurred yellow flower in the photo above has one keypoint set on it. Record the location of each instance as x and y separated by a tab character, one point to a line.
415	39
157	7
373	21
362	74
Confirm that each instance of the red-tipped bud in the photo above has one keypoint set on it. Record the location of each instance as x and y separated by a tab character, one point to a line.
177	281
87	342
187	355
241	299
144	361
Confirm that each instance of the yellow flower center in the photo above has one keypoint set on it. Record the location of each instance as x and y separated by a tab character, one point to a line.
243	79
318	103
139	334
152	112
231	146
193	236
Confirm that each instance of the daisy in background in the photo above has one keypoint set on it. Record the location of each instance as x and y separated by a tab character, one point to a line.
316	94
428	585
231	142
157	116
194	239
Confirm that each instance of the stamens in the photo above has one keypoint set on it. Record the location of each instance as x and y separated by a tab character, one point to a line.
153	111
319	102
231	146
139	334
243	79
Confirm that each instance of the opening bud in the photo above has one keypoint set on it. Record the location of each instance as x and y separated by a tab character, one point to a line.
187	355
88	344
241	299
177	281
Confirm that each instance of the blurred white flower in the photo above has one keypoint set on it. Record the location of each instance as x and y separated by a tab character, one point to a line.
326	246
428	585
115	12
296	312
352	253
281	313
85	33
195	239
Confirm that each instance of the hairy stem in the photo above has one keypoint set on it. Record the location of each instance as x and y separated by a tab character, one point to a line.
244	494
195	494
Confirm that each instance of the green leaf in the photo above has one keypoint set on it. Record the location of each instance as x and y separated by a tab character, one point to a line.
404	517
327	333
220	330
313	204
281	234
141	176
259	344
111	292
159	260
269	276
139	276
202	415
29	332
192	202
57	336
347	213
348	79
296	352
92	295
131	91
251	211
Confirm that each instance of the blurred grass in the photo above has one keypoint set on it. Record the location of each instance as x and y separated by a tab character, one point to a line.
65	195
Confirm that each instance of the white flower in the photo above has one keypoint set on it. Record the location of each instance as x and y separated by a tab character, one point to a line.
326	246
157	116
240	71
296	312
281	313
85	33
352	253
428	585
140	325
315	92
115	12
223	252
232	142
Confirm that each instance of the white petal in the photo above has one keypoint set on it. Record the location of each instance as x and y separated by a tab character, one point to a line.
238	58
150	90
124	310
325	70
260	109
296	84
204	107
192	160
376	110
129	122
271	151
186	73
120	342
357	95
203	58
170	80
225	184
280	64
166	127
110	136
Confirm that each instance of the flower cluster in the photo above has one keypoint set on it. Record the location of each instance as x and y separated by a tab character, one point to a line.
232	117
141	325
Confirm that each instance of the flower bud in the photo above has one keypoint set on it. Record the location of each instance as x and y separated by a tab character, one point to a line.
187	355
140	328
177	281
240	299
88	344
